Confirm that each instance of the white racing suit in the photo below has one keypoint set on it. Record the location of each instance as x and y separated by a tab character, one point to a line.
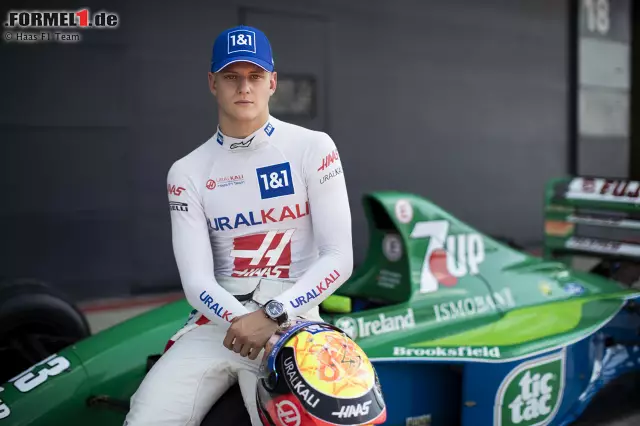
197	369
267	215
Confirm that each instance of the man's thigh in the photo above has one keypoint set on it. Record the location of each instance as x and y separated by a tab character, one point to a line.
185	382
248	380
229	410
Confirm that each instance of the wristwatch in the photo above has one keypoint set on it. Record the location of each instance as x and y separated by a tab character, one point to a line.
275	310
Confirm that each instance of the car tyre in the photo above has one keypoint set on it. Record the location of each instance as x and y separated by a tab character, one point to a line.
36	320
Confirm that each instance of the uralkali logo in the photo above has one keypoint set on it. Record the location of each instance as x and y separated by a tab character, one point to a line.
531	393
361	328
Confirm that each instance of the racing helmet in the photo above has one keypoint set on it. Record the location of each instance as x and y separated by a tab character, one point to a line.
312	374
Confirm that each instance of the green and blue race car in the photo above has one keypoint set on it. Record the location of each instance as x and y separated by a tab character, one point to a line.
462	328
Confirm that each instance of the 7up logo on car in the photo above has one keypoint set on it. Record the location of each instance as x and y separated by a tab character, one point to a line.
448	257
531	393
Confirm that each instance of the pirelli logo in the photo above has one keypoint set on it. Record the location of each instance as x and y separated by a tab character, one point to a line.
178	206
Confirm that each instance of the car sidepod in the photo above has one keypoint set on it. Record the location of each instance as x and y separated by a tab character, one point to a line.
553	387
51	389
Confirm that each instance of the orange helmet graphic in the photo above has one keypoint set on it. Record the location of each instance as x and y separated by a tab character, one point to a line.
314	374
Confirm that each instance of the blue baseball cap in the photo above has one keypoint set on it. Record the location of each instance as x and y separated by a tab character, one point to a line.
242	44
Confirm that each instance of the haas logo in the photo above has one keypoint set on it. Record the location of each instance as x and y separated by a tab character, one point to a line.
174	190
357	410
288	413
262	255
332	157
448	257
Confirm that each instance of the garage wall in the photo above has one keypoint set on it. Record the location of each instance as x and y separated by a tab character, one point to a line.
604	85
462	102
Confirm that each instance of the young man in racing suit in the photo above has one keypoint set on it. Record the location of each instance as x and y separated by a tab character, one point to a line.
261	230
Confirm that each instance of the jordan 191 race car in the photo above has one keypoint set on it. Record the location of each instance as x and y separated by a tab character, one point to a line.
461	327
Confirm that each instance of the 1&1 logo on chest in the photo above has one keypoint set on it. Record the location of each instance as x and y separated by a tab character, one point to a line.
275	181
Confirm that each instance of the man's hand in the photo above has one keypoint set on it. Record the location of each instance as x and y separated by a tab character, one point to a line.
248	333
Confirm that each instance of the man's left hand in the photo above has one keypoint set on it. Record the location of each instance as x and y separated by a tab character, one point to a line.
248	333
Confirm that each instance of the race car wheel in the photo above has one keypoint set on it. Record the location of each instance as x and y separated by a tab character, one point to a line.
35	321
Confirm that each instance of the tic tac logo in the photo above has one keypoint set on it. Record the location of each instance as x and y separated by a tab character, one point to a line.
444	264
531	393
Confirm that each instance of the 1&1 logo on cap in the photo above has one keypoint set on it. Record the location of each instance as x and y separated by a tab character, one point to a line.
241	41
275	180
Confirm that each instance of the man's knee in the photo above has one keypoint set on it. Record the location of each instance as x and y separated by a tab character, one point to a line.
179	391
228	410
143	413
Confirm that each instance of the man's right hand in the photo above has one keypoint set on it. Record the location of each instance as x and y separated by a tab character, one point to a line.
248	333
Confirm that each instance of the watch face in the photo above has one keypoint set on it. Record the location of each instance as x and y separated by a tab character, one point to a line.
274	309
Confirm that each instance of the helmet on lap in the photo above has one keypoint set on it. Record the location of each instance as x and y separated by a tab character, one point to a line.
312	373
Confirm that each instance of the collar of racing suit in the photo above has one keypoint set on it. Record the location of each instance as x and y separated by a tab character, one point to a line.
251	142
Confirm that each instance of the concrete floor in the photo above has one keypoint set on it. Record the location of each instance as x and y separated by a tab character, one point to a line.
99	321
102	314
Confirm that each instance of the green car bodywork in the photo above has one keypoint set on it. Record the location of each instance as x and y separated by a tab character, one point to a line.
432	289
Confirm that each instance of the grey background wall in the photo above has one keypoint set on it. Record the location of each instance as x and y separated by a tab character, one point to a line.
463	102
